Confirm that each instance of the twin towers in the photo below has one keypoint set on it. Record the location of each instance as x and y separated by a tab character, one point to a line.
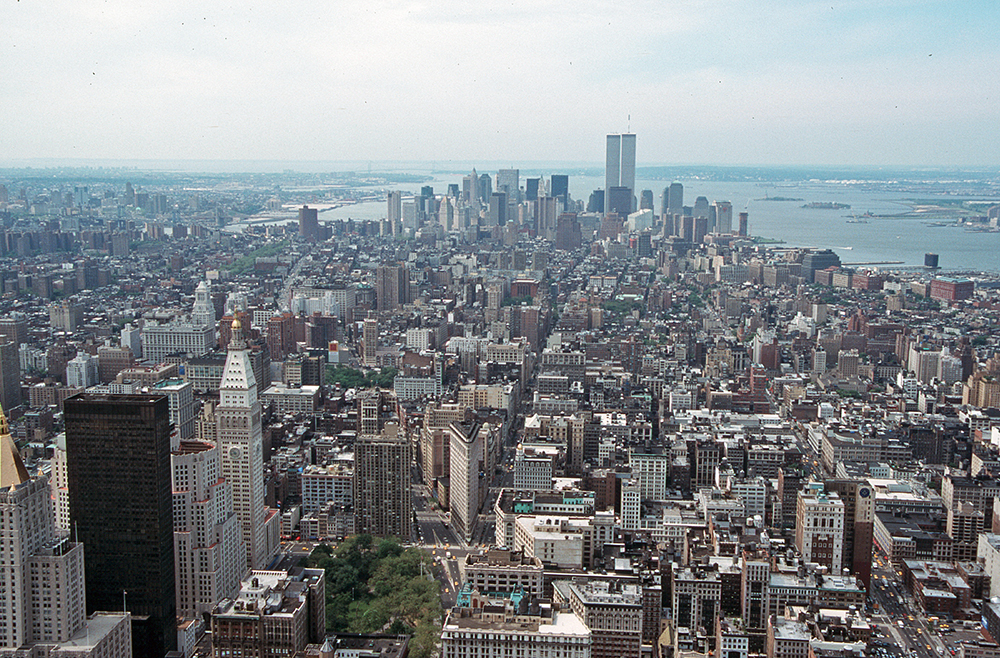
619	174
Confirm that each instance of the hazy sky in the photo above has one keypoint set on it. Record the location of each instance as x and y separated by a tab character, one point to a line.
705	81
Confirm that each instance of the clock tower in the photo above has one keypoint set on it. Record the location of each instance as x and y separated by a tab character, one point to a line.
241	448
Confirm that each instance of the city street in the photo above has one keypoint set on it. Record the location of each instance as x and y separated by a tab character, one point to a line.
901	621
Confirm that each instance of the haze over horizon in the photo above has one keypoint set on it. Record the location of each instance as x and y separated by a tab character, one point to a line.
895	83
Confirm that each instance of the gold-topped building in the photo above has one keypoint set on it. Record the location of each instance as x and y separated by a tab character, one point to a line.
43	567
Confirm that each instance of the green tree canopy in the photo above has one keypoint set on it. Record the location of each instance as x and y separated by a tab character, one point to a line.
380	586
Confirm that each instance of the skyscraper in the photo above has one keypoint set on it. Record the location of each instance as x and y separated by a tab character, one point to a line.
646	200
560	186
42	591
394	210
208	544
498	209
28	535
859	518
470	189
10	374
121	509
392	286
819	527
468	482
619	200
382	488
675	198
369	342
203	312
309	223
531	189
509	182
723	217
485	188
628	165
702	208
241	446
619	170
613	160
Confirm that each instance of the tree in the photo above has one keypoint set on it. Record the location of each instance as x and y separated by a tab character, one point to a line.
377	586
345	376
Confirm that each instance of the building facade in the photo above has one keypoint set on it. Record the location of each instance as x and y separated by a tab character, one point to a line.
209	556
382	491
121	509
819	528
241	446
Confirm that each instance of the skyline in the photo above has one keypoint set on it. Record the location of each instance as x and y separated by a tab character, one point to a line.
780	83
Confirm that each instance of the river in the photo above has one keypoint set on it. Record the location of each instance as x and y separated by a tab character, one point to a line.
880	239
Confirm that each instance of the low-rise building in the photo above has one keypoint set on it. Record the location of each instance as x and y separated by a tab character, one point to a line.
276	614
612	612
291	400
501	631
498	570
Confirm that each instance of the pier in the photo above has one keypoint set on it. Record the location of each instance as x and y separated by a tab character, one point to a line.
874	262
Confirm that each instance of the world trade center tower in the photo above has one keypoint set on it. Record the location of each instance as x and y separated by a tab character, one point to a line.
619	168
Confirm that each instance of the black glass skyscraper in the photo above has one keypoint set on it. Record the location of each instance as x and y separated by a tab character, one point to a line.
121	508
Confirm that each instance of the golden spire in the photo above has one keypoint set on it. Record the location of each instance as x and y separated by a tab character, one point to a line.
12	470
236	339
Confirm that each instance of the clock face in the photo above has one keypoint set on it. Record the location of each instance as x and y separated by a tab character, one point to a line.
864	492
235	453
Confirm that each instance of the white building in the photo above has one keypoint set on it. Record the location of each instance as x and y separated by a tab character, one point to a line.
418	339
571	542
468	476
547	539
322	485
82	370
414	388
652	471
680	400
631	505
753	493
241	443
480	633
131	337
42	590
181	396
532	469
209	557
988	552
59	484
819	527
291	399
159	340
203	313
498	570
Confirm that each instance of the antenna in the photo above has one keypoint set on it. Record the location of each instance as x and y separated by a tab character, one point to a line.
628	124
124	606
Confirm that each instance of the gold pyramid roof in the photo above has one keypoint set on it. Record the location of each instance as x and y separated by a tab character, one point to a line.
12	470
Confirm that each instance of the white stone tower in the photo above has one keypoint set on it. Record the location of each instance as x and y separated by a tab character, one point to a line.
241	446
203	312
